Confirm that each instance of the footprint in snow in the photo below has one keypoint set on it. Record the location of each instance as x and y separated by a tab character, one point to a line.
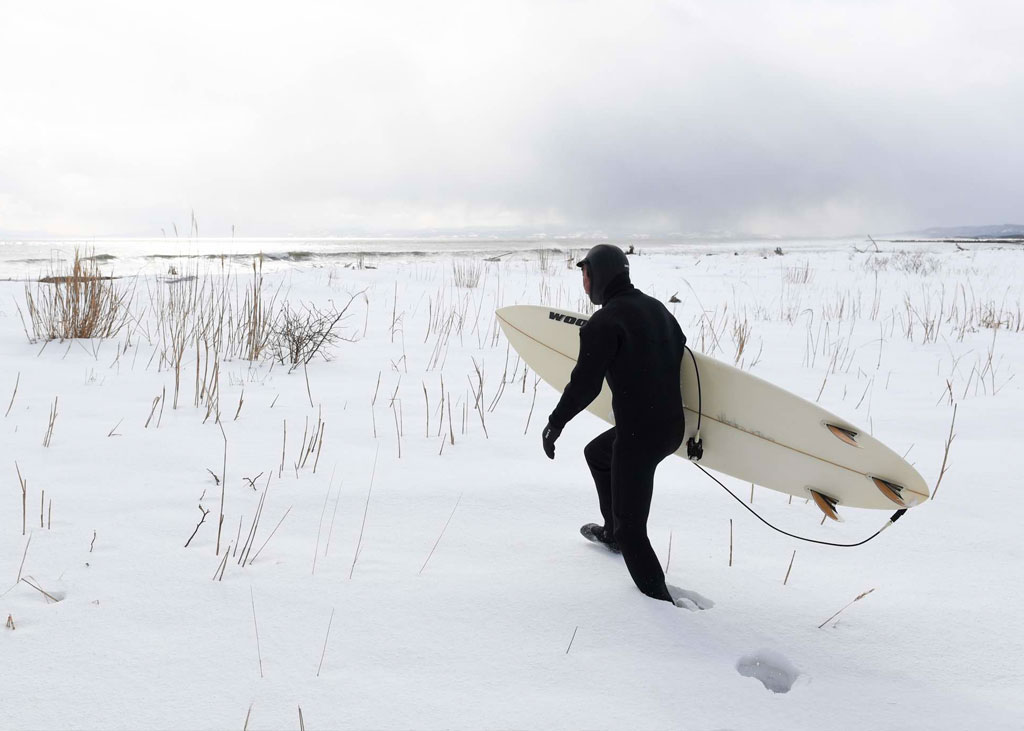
686	599
774	671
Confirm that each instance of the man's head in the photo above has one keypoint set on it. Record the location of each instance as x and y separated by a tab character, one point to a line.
601	266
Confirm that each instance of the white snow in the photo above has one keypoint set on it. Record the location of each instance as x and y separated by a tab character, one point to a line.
515	621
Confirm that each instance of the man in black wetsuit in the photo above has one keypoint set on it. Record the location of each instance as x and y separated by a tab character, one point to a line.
636	343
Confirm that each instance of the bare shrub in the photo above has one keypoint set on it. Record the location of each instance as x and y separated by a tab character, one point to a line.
303	332
300	334
80	303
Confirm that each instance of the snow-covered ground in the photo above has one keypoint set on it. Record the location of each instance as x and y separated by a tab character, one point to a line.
428	571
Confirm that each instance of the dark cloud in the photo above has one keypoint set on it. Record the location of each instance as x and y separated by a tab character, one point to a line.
789	117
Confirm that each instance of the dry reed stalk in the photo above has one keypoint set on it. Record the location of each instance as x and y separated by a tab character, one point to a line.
259	654
320	446
730	541
24	497
251	537
152	411
334	515
451	429
315	442
426	408
668	559
42	504
45	593
24	554
238	535
398	432
257	554
320	524
830	369
366	509
497	397
247	715
791	558
533	401
223	486
373	401
478	395
305	435
15	393
284	442
440	420
945	454
572	639
302	724
53	418
221	566
438	541
857	599
93	542
323	654
394	313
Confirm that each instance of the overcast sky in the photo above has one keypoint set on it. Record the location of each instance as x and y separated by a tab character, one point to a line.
302	118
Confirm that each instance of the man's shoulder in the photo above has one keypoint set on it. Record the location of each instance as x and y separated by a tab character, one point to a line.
598	318
637	300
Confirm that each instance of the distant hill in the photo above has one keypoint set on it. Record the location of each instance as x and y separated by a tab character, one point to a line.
1000	231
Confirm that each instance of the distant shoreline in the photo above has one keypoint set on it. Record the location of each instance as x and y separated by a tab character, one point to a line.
972	240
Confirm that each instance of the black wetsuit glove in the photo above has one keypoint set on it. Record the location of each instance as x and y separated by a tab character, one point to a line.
549	437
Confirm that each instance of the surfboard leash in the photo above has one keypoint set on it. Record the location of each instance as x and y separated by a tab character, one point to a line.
695	445
895	516
695	450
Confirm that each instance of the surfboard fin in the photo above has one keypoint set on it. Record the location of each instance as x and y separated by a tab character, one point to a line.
826	504
844	435
891	490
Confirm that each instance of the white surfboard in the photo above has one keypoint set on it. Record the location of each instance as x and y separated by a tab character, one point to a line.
751	429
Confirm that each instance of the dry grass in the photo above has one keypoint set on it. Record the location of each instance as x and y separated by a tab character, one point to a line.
80	303
740	337
467	273
798	275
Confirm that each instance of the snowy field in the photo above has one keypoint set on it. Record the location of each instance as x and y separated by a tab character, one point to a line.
382	543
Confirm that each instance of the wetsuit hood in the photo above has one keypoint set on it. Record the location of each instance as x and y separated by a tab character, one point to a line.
605	263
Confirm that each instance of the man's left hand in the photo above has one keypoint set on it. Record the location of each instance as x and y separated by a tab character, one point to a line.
549	437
